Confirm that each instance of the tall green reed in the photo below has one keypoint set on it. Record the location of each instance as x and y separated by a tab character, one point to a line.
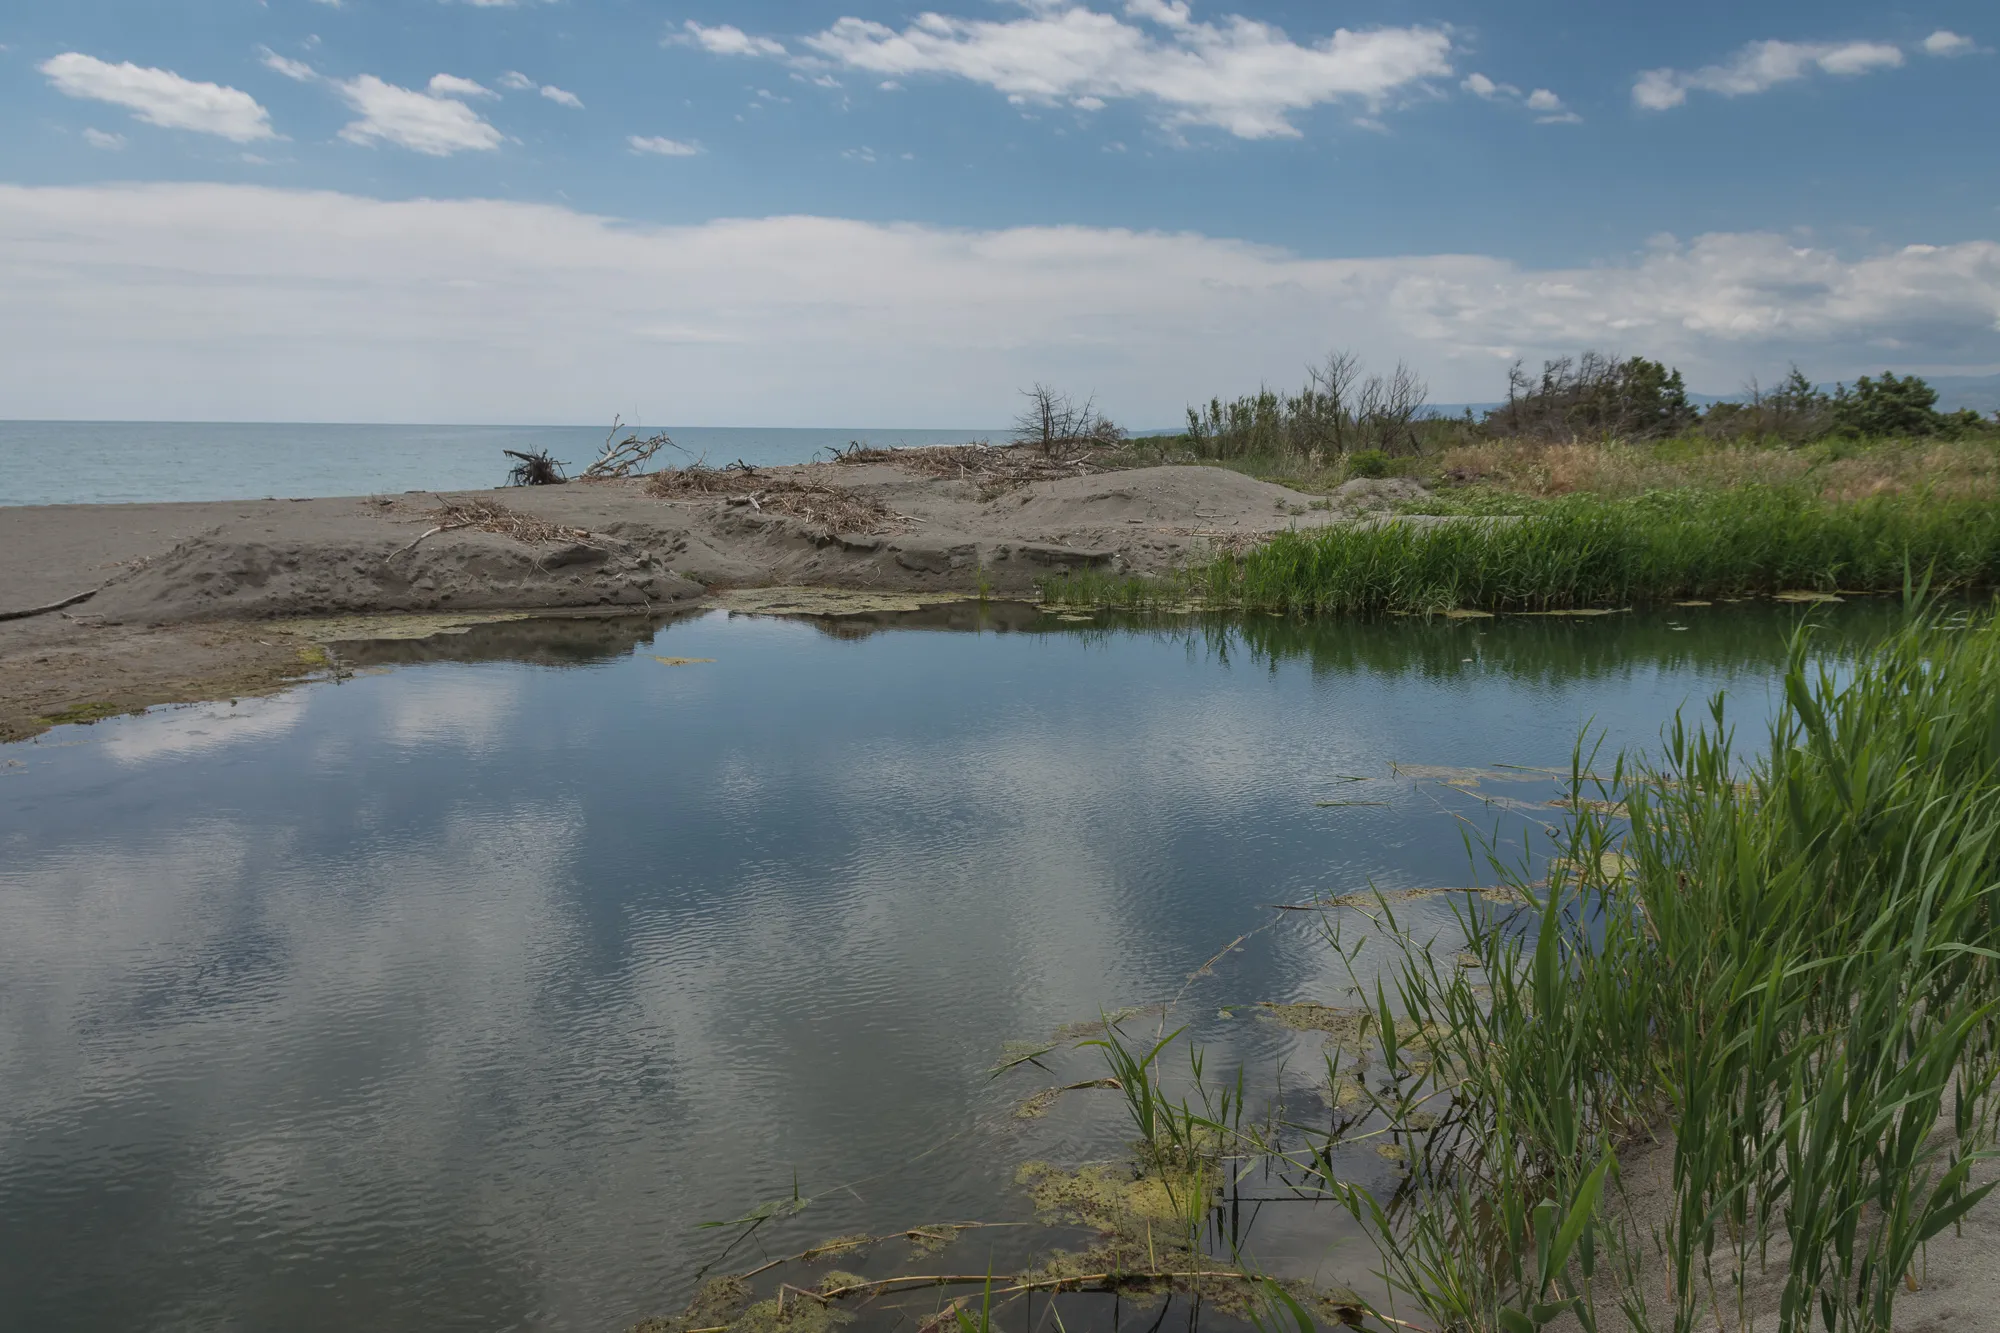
1779	964
1785	966
1586	551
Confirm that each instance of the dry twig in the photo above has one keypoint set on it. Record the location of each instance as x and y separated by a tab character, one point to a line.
491	516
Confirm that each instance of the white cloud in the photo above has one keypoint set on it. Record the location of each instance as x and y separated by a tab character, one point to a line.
662	147
420	122
111	143
263	304
561	97
725	40
1761	66
161	97
1548	108
1237	73
296	70
1947	43
515	81
450	85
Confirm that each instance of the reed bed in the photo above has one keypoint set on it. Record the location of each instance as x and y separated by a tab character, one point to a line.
1780	967
1586	551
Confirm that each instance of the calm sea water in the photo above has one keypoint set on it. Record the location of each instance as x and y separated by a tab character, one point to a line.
104	462
455	995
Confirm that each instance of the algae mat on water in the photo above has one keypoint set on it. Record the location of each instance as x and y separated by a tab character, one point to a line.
350	629
830	601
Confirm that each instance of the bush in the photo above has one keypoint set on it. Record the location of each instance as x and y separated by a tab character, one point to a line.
1593	396
1368	463
1887	406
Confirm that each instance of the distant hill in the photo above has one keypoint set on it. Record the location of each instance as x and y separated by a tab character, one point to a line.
1981	393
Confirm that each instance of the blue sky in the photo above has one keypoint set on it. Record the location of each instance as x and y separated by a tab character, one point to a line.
813	212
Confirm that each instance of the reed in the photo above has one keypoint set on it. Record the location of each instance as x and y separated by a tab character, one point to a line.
1584	551
1781	966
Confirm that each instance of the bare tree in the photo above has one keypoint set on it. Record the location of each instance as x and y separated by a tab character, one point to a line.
1057	425
1386	409
1325	411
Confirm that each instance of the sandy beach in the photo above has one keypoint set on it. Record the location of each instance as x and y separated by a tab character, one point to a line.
181	596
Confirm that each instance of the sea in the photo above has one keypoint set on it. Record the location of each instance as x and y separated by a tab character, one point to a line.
121	462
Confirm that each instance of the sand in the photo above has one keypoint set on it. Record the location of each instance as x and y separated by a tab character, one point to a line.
183	595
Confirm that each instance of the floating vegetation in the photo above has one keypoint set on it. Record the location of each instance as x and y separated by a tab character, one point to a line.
83	715
387	627
801	601
1349	1028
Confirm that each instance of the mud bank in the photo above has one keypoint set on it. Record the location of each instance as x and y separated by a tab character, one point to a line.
181	596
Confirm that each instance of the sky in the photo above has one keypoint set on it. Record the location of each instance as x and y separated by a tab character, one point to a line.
809	213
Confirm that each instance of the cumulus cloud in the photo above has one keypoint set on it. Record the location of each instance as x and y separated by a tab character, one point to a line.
725	39
1760	67
1239	74
658	146
419	121
265	303
562	97
515	81
161	97
1946	43
96	138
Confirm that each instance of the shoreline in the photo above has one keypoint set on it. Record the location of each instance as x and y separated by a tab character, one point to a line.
178	599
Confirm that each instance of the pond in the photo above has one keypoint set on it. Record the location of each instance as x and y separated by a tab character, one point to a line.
459	992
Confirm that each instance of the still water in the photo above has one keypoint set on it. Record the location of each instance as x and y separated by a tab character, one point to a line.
455	995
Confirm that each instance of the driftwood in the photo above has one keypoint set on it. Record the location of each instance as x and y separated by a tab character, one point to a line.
537	469
52	606
627	457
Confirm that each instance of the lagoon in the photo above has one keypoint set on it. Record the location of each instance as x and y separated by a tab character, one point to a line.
459	992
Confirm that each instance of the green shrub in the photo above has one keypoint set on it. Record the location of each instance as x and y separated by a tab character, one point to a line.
1368	463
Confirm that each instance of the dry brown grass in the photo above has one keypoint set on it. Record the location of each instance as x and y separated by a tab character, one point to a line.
1540	469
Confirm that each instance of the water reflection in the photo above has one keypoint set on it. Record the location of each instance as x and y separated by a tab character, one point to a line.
454	996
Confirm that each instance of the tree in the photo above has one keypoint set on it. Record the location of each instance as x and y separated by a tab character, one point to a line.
1057	425
1594	395
1887	406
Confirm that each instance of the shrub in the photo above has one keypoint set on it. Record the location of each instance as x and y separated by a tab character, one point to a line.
1368	463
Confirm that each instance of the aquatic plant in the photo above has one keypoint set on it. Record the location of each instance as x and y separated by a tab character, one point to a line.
1780	970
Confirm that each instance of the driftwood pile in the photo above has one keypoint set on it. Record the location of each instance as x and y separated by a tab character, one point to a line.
802	493
995	469
617	460
536	469
627	457
492	516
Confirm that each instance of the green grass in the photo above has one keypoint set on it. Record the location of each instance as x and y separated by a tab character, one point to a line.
1587	552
